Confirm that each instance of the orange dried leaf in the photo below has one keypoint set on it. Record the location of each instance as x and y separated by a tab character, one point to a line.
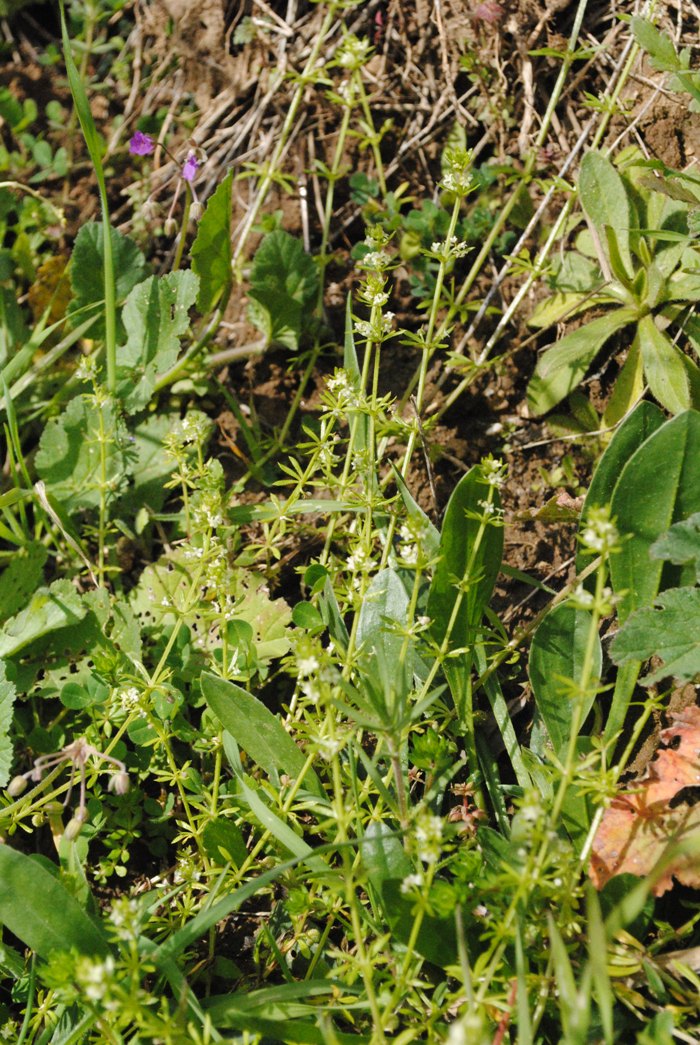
641	823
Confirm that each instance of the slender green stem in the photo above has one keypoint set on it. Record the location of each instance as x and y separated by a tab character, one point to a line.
95	147
182	239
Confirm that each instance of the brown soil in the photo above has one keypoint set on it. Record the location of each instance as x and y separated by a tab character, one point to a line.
215	68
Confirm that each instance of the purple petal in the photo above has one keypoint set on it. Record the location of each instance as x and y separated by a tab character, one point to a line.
141	144
190	167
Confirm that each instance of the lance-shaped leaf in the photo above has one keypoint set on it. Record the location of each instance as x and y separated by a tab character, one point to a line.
606	203
659	485
561	368
7	700
470	558
260	733
557	656
211	251
673	378
41	912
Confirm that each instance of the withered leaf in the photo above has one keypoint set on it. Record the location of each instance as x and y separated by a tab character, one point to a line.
645	820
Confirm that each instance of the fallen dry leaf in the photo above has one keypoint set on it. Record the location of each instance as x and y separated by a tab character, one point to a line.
651	813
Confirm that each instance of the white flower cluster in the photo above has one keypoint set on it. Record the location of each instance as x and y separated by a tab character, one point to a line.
451	248
428	838
458	176
582	599
373	290
95	977
375	261
353	52
124	917
412	884
600	533
493	471
343	396
128	699
377	330
193	428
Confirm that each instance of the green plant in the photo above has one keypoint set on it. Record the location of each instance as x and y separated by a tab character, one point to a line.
647	268
268	769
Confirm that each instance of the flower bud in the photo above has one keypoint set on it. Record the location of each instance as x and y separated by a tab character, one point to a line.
119	783
196	211
170	227
75	825
16	786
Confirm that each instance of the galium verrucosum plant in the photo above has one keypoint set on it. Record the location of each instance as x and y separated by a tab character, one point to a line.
78	755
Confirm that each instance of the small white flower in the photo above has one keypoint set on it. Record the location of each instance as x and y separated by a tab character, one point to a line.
411	883
307	665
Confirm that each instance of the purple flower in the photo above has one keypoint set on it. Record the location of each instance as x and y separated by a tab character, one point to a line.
190	167
141	144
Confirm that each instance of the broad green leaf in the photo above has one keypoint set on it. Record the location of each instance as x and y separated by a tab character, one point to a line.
49	609
659	485
605	201
211	251
21	577
87	271
260	733
152	466
283	286
644	420
470	555
628	388
558	307
69	458
682	286
383	855
384	656
681	544
223	841
7	700
437	937
470	558
562	367
41	912
666	369
669	630
557	656
156	315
